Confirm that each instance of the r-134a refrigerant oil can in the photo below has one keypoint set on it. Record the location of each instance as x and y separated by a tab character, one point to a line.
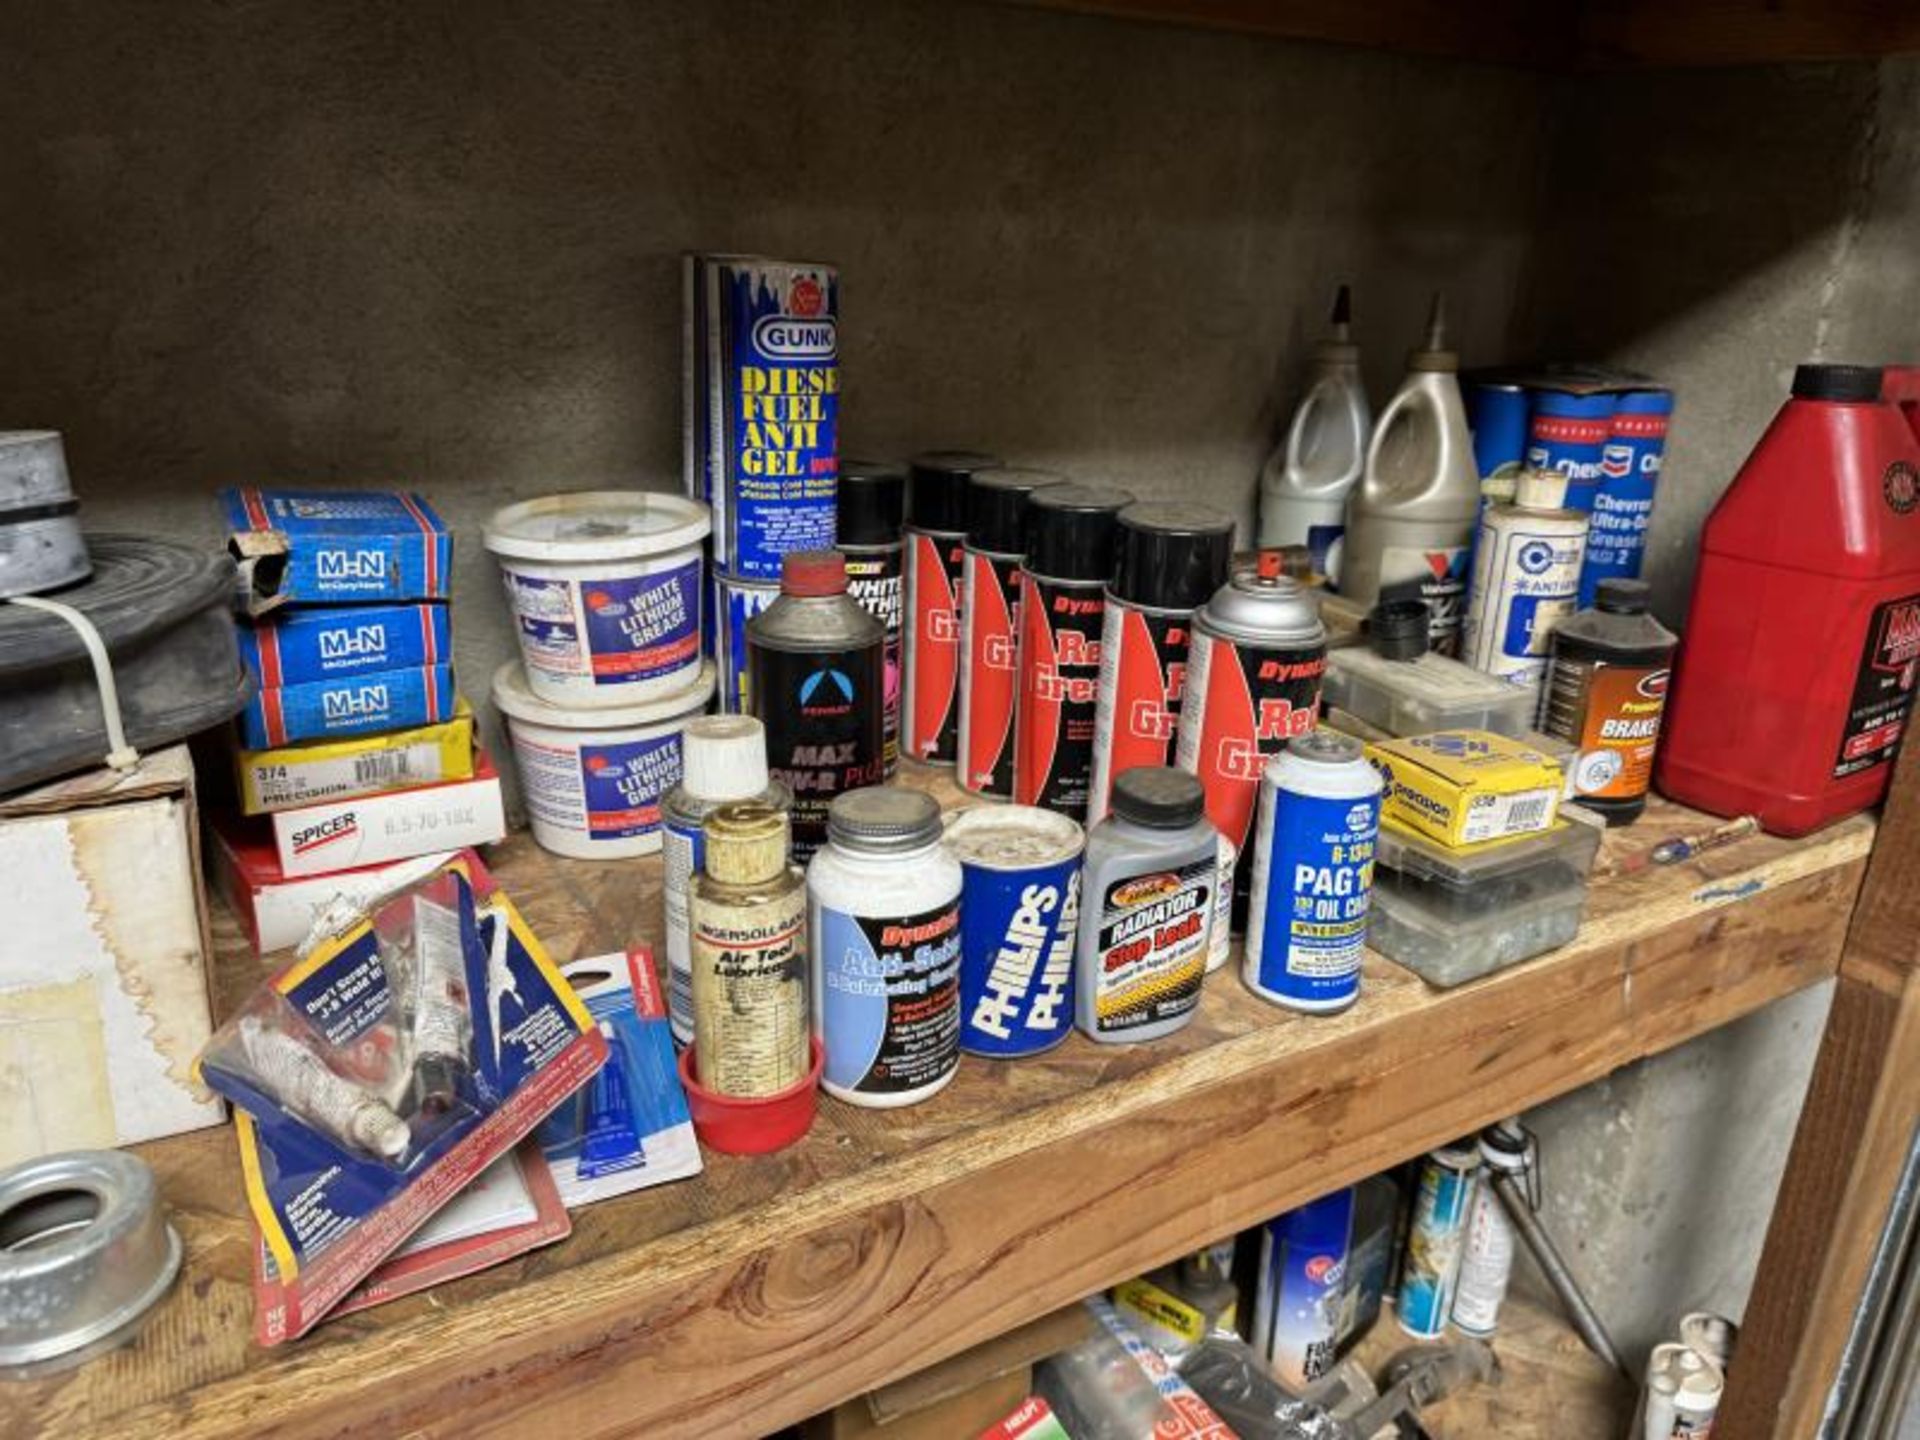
762	386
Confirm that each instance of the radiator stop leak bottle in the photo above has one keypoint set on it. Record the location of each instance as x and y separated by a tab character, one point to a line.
1795	678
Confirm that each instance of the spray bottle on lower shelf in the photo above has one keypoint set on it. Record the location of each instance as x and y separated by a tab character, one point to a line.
1304	484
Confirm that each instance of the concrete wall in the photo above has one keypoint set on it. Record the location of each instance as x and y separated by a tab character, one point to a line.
1716	229
437	244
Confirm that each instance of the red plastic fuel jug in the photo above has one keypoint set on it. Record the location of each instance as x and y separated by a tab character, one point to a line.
1797	668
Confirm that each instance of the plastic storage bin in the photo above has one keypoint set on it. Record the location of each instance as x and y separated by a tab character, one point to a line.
1419	696
1451	916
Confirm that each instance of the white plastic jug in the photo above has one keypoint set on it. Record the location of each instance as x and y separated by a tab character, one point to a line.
1304	484
1410	519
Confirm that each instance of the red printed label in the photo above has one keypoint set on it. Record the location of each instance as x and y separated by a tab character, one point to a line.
1059	673
1882	688
991	601
933	648
1143	665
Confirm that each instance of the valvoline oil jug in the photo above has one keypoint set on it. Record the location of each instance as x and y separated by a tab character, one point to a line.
1796	675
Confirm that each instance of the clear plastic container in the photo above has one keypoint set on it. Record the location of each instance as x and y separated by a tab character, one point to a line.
1416	697
1451	916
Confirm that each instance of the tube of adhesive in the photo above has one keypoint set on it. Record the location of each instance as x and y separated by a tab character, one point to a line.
299	1081
428	978
610	1143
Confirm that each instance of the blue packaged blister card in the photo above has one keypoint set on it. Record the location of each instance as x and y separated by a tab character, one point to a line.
334	546
630	1128
375	1077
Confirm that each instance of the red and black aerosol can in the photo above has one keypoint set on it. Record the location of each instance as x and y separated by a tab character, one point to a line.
870	513
1254	664
989	613
816	673
936	531
1170	559
1063	601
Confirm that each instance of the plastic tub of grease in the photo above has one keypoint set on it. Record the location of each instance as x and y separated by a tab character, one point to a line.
1451	916
604	586
593	779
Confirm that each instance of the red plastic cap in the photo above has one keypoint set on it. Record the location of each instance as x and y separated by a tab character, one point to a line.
736	1126
813	572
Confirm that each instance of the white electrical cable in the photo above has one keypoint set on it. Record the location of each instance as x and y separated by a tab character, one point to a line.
120	755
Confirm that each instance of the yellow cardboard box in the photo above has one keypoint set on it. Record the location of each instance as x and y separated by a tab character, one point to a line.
1464	787
289	776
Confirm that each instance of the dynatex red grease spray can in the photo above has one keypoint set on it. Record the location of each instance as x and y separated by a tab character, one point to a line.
989	611
1254	663
868	532
936	532
1063	587
1170	559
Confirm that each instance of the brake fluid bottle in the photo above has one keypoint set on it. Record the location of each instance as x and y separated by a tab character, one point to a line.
1411	517
1304	485
1795	679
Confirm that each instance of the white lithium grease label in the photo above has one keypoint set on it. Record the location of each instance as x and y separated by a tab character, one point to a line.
1312	886
890	1014
341	775
1153	940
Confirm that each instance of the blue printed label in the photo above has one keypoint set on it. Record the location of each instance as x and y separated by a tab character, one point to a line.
1302	1282
1320	540
1622	511
734	606
1433	1249
1319	877
543	609
623	784
642	627
890	998
1016	981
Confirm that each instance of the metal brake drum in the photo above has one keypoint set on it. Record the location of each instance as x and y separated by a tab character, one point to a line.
85	1252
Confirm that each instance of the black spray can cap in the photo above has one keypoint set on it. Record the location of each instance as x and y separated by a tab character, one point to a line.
871	504
1159	796
937	488
997	506
1621	596
1172	555
1070	531
1397	629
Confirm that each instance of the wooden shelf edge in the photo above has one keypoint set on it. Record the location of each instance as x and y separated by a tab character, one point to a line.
821	1296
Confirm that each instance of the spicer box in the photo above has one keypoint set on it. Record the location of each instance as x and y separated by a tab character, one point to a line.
103	961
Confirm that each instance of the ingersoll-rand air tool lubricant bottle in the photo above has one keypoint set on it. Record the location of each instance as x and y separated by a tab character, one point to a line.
1410	519
989	621
1795	677
1304	485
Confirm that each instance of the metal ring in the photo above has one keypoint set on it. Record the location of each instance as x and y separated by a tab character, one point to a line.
85	1252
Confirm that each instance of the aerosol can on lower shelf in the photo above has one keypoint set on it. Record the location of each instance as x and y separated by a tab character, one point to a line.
1411	517
1304	484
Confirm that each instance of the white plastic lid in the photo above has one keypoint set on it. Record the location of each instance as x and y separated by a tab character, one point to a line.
515	698
597	525
1540	490
724	757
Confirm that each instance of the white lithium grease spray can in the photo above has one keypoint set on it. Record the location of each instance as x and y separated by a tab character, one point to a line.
1063	598
883	901
1147	902
1254	665
816	673
1526	579
1313	874
989	623
1169	561
936	538
869	516
1486	1254
723	760
1304	485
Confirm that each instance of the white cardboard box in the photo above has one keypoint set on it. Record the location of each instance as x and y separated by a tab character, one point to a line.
104	950
346	834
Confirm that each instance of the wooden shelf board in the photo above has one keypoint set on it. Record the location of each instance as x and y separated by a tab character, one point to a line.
771	1288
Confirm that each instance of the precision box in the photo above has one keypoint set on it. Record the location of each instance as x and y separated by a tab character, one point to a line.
1463	787
290	776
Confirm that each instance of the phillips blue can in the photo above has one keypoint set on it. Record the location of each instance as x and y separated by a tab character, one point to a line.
734	603
1623	505
1019	912
1568	433
762	380
1300	1288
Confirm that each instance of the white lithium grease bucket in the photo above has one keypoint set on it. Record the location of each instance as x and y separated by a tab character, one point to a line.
605	589
593	779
